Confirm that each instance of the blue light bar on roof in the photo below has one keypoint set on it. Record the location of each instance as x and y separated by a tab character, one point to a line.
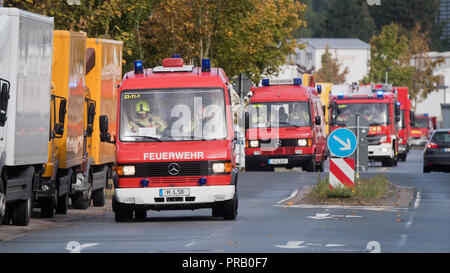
380	93
138	67
294	81
176	56
206	65
425	115
341	95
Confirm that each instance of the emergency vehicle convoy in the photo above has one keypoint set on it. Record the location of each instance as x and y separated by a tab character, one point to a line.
378	105
421	131
175	141
285	127
405	123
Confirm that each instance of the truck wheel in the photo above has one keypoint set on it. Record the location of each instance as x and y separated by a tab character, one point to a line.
62	204
22	212
79	201
2	201
98	196
121	212
47	207
140	214
217	211
310	166
83	200
426	169
230	208
7	216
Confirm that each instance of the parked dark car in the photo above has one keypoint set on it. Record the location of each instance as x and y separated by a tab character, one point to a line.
436	155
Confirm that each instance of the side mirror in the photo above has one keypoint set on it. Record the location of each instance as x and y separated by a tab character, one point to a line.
319	89
317	120
62	111
247	121
90	59
90	118
104	135
4	97
59	129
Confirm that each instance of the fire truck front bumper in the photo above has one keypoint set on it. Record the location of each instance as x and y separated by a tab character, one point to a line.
175	197
380	152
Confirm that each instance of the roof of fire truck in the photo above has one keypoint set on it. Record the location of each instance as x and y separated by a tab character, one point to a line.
282	90
354	91
174	74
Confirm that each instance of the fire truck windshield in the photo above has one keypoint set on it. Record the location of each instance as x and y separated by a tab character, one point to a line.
376	113
421	123
172	115
282	114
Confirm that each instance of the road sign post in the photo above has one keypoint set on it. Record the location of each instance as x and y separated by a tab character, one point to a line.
342	143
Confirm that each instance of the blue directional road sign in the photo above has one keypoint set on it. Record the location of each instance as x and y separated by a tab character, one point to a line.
342	142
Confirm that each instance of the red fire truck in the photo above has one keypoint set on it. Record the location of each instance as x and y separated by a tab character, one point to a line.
175	142
421	130
285	127
405	123
378	105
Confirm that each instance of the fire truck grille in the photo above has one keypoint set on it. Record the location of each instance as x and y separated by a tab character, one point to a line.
282	142
176	172
373	139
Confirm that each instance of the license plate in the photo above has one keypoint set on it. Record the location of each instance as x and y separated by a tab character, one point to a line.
173	192
278	161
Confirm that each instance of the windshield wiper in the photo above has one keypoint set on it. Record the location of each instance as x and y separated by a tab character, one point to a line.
376	124
290	125
150	137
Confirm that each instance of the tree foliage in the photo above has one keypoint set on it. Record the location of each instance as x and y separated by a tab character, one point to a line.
114	19
251	36
331	70
407	56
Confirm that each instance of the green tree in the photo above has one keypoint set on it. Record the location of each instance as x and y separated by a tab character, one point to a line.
348	19
331	70
250	36
407	14
113	19
390	49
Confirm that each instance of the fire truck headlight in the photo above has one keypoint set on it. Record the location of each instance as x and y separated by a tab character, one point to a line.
302	142
254	143
383	138
218	167
129	170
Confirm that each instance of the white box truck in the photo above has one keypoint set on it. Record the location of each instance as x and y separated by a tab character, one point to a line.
25	61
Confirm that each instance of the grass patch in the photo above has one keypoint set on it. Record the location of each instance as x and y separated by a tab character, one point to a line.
374	187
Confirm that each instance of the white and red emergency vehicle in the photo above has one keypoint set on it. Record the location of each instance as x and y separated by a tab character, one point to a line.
378	105
175	141
285	127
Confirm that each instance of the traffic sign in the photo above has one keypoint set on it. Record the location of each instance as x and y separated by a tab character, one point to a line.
342	142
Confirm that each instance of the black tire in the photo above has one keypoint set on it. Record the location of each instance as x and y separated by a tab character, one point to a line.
81	200
217	211
230	208
2	202
310	166
98	197
427	169
140	214
62	204
387	162
22	212
121	212
395	161
7	216
47	206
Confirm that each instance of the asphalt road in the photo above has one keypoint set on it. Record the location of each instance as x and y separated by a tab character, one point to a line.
261	225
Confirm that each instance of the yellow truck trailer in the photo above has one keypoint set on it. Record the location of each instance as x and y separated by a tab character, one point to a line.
324	97
103	75
68	78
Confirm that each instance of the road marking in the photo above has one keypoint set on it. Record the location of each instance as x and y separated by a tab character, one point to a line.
294	193
210	236
371	208
374	247
418	199
334	245
292	245
353	216
320	216
225	228
76	247
190	244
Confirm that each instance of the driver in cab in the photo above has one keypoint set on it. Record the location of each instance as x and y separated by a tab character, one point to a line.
144	119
